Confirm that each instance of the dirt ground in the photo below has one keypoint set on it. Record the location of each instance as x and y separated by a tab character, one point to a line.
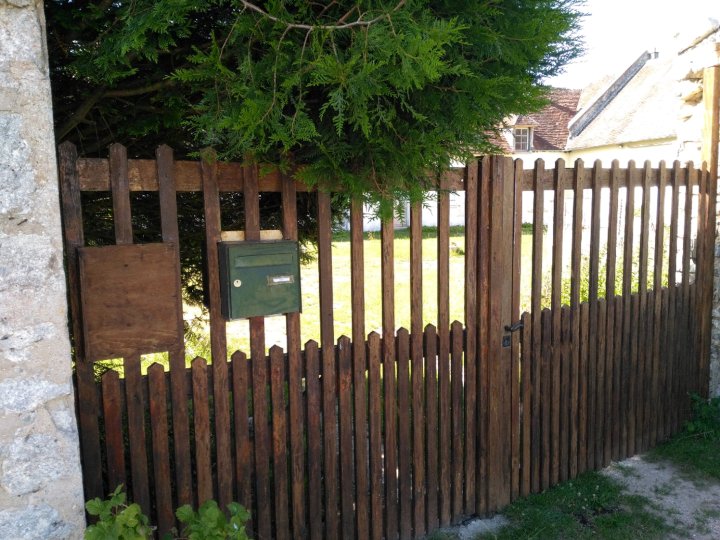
690	503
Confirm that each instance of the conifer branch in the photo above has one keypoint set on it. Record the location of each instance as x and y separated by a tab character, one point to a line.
341	26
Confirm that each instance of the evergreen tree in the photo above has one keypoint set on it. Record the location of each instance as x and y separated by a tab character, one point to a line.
368	97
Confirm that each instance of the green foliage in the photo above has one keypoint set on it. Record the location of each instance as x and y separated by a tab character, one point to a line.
116	519
705	422
210	523
119	521
367	97
697	449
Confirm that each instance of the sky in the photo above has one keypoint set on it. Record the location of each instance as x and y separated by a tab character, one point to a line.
616	32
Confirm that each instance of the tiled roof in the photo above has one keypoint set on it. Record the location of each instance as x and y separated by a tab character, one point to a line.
551	131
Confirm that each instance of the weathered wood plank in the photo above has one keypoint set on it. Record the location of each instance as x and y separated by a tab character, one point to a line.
178	388
535	311
555	302
244	459
327	338
376	466
279	444
458	433
113	407
295	374
347	470
201	421
431	412
314	439
357	299
443	326
160	449
471	309
404	436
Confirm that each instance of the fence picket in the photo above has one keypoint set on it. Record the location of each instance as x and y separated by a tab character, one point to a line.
471	307
556	304
160	449
112	415
357	298
443	329
201	421
314	439
404	438
347	471
535	311
376	465
431	411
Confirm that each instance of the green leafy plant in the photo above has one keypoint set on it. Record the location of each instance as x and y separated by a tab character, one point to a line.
706	418
116	519
211	523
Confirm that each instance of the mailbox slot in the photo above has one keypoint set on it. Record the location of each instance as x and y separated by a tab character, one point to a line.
258	279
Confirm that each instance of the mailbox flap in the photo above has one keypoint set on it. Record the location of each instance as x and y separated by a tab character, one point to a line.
269	259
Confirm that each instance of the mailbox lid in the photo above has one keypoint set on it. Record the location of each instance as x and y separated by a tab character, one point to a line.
260	278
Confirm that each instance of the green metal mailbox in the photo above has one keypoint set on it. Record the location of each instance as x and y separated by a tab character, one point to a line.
259	278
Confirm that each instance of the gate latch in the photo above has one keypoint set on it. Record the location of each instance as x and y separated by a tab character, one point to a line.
506	341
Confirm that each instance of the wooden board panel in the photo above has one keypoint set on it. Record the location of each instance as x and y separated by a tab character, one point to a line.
628	364
593	292
129	306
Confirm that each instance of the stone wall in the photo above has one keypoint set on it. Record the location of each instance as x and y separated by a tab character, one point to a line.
40	477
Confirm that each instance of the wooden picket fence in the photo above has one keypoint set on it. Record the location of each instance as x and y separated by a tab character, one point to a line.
392	435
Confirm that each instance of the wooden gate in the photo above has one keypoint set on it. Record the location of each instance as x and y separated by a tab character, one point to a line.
395	433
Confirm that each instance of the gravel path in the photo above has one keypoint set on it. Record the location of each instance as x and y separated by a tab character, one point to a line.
690	504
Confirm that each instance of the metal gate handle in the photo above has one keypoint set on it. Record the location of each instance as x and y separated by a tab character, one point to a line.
514	327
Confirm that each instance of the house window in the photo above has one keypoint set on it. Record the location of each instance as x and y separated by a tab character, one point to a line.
522	139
